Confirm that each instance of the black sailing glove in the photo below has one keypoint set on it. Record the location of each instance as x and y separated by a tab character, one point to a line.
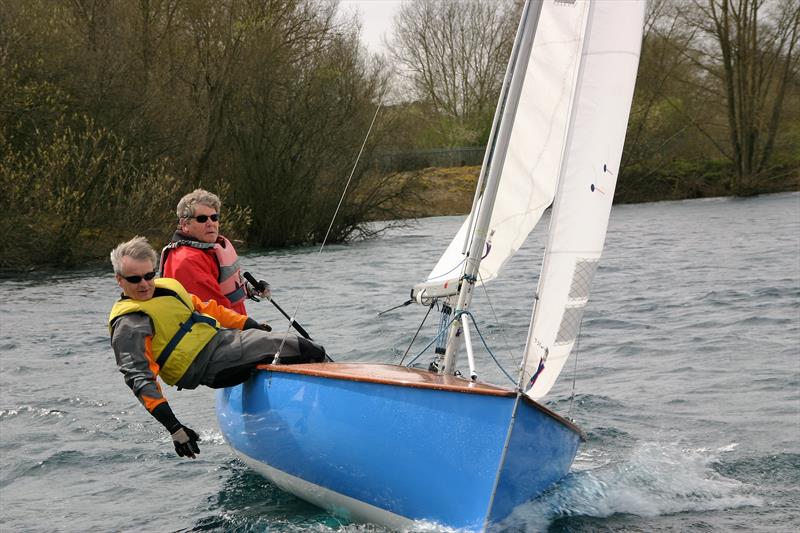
263	289
256	289
185	441
252	324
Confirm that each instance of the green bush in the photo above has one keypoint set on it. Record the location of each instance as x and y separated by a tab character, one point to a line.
71	197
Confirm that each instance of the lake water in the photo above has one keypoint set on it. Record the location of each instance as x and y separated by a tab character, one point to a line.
687	381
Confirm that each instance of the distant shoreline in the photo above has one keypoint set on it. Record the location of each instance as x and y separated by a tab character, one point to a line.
441	192
449	191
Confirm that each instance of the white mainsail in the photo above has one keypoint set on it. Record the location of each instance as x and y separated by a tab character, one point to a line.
530	169
586	188
564	146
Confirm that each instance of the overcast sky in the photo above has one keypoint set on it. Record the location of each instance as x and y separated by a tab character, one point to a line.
376	19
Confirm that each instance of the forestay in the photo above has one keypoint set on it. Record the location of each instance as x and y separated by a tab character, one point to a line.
586	187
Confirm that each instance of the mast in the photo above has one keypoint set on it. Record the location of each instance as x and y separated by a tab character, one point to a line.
520	54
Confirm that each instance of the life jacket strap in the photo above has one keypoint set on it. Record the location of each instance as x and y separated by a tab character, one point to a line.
238	294
185	328
193	244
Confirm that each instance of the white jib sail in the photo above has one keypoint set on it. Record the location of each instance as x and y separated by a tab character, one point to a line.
585	191
530	170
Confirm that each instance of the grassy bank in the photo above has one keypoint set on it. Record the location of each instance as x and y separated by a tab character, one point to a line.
449	191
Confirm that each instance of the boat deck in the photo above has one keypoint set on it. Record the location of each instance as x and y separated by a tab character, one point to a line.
391	375
409	377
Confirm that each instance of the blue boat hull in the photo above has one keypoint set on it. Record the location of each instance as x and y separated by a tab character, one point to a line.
391	445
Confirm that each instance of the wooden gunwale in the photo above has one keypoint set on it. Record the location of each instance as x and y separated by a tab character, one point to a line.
396	375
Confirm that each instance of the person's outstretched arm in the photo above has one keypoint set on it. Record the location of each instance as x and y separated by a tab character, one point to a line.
131	339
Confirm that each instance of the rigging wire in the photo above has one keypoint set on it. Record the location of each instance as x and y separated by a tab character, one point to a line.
435	338
575	370
430	308
480	334
486	345
335	214
497	320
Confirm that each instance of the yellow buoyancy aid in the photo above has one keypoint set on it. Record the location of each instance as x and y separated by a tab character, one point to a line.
180	331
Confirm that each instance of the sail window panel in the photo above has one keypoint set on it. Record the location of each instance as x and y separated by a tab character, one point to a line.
570	324
582	279
578	225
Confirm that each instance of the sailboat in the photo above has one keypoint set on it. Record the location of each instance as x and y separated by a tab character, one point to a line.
392	444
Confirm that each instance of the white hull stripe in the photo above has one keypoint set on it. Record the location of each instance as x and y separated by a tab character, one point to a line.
334	502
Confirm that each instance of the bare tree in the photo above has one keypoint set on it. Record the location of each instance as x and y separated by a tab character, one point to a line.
110	110
453	54
661	62
748	49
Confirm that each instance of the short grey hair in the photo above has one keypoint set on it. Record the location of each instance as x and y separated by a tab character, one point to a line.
187	204
137	248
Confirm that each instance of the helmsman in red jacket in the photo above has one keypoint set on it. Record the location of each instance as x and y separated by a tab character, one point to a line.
201	259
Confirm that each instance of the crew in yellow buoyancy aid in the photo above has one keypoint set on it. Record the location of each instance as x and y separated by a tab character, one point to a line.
180	331
159	329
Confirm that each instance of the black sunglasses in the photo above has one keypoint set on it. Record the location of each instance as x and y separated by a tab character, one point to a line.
137	279
202	218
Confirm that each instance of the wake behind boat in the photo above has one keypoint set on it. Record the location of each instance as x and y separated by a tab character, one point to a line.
393	445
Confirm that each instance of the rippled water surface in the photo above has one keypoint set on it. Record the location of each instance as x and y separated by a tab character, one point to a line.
687	381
